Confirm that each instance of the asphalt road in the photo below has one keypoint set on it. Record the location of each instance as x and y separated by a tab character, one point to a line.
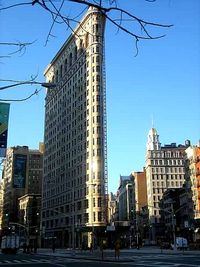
136	260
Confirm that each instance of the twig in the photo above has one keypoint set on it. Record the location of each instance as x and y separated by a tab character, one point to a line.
22	99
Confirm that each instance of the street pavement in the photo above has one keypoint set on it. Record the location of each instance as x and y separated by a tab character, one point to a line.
144	257
126	255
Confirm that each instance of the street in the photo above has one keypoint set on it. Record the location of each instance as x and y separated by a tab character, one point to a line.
127	259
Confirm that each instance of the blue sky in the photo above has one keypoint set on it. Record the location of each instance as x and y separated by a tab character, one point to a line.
162	82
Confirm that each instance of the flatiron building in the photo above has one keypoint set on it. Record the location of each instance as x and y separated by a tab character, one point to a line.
75	167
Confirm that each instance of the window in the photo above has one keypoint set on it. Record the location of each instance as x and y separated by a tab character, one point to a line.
86	217
57	76
99	216
86	39
99	202
65	65
75	53
70	59
61	71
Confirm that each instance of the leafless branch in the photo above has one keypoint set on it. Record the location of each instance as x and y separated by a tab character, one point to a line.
16	5
15	83
106	11
120	18
20	47
22	99
54	21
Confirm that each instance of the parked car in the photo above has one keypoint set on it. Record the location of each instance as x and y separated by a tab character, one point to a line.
181	243
10	244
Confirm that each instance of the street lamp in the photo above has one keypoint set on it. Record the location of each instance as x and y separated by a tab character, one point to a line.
19	83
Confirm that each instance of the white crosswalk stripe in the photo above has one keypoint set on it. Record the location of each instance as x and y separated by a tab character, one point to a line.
35	261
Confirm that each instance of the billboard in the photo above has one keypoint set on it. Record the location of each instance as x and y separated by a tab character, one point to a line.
4	115
19	172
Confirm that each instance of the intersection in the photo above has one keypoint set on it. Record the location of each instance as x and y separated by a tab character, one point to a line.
86	259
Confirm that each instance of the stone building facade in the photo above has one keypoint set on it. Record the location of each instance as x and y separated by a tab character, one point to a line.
164	169
75	165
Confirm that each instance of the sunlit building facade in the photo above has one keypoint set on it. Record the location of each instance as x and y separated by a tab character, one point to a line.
164	169
22	174
75	166
193	176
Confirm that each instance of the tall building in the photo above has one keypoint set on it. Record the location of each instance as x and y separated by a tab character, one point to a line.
75	171
193	176
140	189
29	216
112	205
177	213
126	198
1	202
22	174
164	169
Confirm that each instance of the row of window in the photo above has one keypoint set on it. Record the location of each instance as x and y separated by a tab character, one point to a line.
170	162
168	170
167	176
77	220
167	154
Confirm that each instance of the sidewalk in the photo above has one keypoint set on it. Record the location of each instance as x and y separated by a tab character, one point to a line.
126	255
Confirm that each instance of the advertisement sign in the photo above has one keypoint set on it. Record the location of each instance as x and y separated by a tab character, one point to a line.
19	173
4	115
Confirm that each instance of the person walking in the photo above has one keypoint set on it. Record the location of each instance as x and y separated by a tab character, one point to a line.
53	247
117	248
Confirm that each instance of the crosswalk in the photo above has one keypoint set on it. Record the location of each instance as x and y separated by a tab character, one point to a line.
157	260
36	261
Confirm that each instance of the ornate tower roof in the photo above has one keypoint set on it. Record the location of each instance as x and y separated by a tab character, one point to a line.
153	140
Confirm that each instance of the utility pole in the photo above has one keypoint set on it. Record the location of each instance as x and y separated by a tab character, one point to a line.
174	226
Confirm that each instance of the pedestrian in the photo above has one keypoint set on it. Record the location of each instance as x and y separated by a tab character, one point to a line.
35	247
31	248
24	247
53	247
28	249
101	249
117	248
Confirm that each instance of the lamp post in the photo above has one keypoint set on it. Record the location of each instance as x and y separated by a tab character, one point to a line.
92	216
19	83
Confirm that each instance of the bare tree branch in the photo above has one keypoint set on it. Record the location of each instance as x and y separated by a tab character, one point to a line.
125	21
21	47
16	5
22	99
54	21
15	83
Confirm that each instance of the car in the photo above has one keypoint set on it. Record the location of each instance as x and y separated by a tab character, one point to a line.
181	243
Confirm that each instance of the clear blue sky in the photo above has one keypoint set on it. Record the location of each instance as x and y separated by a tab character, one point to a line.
163	81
